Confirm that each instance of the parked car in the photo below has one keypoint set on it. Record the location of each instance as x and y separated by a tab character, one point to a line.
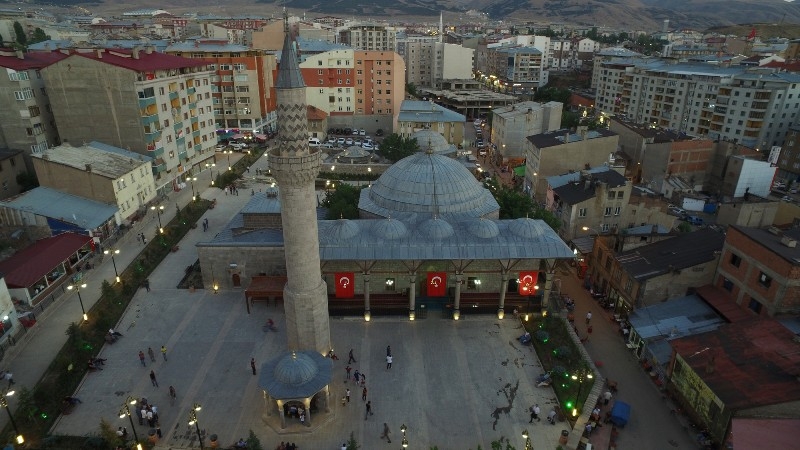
340	141
355	131
328	145
348	141
694	220
220	147
347	131
238	146
379	132
358	142
314	142
674	210
362	132
366	146
331	140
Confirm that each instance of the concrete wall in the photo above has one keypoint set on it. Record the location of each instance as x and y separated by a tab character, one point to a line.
757	214
80	182
675	284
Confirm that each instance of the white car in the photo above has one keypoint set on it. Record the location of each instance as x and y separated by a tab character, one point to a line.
362	132
358	142
340	141
355	131
221	147
366	146
238	146
348	141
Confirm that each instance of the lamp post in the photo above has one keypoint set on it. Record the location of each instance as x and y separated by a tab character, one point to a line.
527	437
4	403
193	421
590	229
113	261
228	153
403	429
192	180
78	288
211	166
580	375
126	411
158	213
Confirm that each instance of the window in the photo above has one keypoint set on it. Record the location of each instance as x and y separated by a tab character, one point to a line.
764	280
754	306
581	212
612	195
620	194
604	227
628	285
735	260
473	283
727	284
617	210
607	212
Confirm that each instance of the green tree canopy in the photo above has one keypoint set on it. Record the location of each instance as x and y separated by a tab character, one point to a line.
515	204
395	147
342	202
552	93
39	36
20	34
411	89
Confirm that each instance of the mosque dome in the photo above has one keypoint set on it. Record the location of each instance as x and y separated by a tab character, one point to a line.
428	184
527	228
344	229
295	369
436	229
483	228
389	229
429	140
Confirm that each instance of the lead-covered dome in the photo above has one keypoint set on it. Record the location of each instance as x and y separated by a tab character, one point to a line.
431	141
429	184
527	228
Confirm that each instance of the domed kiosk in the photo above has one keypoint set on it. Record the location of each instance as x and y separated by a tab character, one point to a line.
428	183
297	382
434	142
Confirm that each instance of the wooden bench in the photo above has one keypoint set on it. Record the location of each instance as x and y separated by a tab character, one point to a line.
381	304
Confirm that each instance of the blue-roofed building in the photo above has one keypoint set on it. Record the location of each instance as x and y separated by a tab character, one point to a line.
99	172
309	47
416	115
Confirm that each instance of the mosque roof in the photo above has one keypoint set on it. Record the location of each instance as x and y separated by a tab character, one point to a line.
295	375
429	140
428	183
289	75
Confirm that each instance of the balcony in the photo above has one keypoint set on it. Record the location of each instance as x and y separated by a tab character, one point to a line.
147	102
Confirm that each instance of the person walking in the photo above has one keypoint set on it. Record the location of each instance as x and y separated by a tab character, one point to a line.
152	354
368	410
551	416
164	352
364	394
388	362
153	378
347	372
347	395
588	317
253	365
146	284
535	410
386	433
363	380
172	395
606	397
141	358
351	358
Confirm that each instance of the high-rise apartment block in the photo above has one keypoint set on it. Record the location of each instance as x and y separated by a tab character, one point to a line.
370	37
428	62
754	108
242	88
151	103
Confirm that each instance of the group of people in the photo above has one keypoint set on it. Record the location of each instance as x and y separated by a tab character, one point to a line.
95	363
287	446
149	413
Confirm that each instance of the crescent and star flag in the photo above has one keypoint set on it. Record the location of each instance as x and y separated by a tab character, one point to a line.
345	285
527	283
437	284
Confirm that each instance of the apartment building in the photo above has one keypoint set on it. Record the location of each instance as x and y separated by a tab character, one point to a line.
511	125
561	151
789	156
754	108
611	54
429	62
515	69
585	50
418	115
760	269
150	103
370	37
242	89
26	120
99	172
560	55
356	88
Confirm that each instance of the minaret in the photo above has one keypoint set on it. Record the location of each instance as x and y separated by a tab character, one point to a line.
441	26
295	166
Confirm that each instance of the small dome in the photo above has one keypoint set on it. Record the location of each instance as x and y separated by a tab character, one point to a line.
295	369
389	229
483	228
429	140
344	229
354	152
436	229
526	228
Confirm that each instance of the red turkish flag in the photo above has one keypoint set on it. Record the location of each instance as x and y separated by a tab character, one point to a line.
527	283
437	284
345	285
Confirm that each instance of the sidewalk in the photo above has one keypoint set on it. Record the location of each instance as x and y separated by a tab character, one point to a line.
651	421
31	356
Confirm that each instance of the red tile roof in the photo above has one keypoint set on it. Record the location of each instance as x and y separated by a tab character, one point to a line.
314	113
145	62
793	66
755	362
723	303
31	60
28	266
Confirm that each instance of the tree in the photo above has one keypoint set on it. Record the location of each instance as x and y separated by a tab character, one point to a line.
569	119
684	227
395	147
411	89
27	181
342	202
352	444
552	93
253	442
39	36
22	39
515	204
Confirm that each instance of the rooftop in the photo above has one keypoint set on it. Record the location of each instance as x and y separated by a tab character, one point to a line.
747	364
654	135
100	157
138	60
422	111
561	137
582	190
522	108
31	264
206	45
82	212
571	177
680	252
31	60
773	242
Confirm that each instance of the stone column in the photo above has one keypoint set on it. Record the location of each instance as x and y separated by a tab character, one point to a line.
503	289
412	292
457	299
548	286
307	404
282	412
367	314
327	399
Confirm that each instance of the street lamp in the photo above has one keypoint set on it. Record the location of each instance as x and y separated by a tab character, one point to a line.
590	229
193	421
126	411
580	375
210	166
4	403
113	261
228	153
527	437
403	429
192	180
78	288
158	212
